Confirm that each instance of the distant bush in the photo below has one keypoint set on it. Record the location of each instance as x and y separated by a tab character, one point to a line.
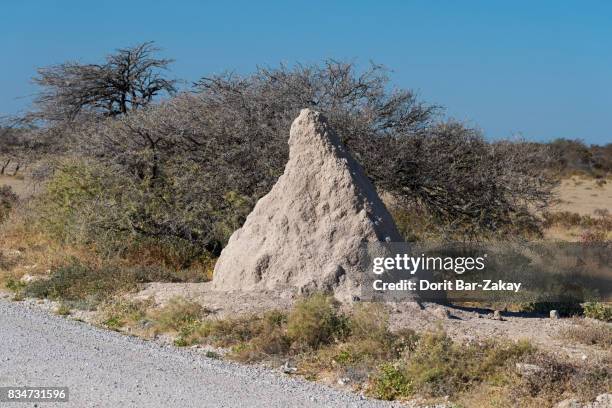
595	229
571	157
570	306
571	219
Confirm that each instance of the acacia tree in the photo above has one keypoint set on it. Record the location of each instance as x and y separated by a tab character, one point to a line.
128	80
216	151
15	149
470	186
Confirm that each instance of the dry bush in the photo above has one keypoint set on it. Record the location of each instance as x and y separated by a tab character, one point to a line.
485	372
8	199
324	342
556	378
370	321
589	333
128	80
252	338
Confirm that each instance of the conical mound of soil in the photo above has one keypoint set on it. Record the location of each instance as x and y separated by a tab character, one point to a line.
305	234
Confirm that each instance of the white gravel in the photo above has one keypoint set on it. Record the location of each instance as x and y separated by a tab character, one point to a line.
108	369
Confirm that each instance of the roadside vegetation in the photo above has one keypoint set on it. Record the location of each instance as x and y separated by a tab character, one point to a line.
315	339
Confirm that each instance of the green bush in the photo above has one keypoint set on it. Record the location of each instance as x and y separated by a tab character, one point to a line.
598	310
120	312
438	367
315	321
391	383
180	314
88	202
77	282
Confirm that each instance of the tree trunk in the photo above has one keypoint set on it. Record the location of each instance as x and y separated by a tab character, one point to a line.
4	166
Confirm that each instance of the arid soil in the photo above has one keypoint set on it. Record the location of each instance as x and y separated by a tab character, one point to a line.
21	187
584	196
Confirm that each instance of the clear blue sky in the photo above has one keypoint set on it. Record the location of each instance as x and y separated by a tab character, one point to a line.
542	69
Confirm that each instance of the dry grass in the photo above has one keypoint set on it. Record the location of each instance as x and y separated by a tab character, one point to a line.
28	251
582	212
119	313
572	226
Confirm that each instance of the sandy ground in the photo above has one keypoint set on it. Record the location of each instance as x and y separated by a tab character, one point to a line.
21	187
583	196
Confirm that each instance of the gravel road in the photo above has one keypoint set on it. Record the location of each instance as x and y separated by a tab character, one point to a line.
107	369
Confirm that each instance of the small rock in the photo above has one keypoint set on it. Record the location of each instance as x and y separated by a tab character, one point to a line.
569	403
145	324
497	315
344	381
287	368
27	278
554	314
604	400
527	369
